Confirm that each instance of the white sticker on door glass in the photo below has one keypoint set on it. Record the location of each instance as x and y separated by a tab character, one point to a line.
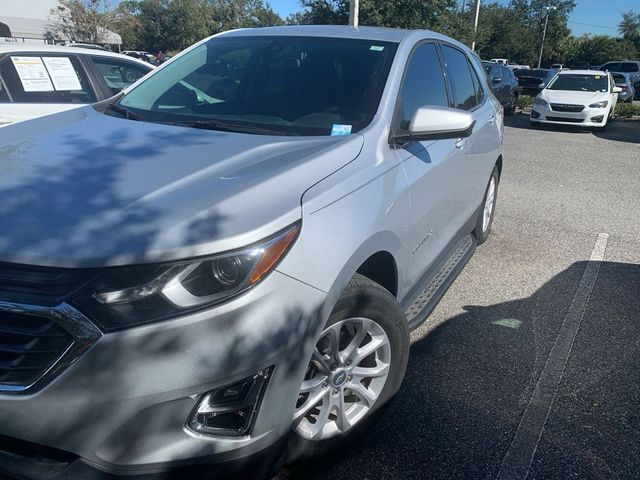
32	74
62	73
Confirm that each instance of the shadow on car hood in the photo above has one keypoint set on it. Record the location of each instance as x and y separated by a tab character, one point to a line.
82	188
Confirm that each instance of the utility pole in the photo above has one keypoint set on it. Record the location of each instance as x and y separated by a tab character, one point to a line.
475	26
544	33
354	11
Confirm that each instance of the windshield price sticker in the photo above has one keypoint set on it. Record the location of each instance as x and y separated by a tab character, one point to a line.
32	74
62	73
338	129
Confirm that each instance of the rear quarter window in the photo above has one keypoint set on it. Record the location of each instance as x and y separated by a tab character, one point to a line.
46	78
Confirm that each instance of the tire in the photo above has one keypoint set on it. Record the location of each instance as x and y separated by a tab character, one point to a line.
483	226
511	108
362	301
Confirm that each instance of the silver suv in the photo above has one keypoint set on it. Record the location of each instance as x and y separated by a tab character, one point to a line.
226	260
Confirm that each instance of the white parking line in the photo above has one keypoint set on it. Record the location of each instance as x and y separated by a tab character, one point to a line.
518	459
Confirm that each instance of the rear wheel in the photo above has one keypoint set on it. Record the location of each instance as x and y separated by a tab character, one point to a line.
511	107
485	218
357	366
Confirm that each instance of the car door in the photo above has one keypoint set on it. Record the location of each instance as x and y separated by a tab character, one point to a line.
434	168
479	152
42	83
115	74
497	83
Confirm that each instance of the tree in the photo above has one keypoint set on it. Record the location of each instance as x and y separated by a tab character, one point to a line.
629	28
599	49
81	20
186	22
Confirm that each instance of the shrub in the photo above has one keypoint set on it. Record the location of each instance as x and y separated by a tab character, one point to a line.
525	101
627	110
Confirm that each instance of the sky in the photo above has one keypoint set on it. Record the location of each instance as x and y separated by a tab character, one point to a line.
589	16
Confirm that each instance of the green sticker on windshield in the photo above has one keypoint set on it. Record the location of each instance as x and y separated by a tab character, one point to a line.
376	48
597	77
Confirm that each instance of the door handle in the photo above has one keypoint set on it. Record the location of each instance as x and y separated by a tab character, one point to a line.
492	119
460	143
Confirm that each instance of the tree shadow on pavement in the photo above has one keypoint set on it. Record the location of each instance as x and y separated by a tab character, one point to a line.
469	381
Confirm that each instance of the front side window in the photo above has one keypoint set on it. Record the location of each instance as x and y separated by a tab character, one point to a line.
576	82
270	85
423	84
46	79
118	74
465	96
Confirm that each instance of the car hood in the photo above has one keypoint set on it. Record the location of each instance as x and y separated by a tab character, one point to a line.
81	188
578	98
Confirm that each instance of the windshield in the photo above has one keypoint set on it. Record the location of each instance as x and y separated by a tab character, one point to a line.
618	78
575	82
269	85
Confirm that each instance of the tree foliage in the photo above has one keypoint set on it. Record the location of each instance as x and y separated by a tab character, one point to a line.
166	25
510	30
81	20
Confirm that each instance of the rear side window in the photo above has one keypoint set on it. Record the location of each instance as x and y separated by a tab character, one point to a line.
612	67
629	67
118	74
424	84
46	79
465	95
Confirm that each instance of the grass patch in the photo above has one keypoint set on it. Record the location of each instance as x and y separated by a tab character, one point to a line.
627	110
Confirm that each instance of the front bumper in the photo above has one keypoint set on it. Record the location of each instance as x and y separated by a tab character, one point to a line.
589	117
123	406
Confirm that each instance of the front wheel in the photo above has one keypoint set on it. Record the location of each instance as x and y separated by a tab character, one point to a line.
357	366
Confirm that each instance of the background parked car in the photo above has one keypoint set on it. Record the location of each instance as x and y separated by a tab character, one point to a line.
584	98
530	79
37	80
557	66
623	80
503	84
632	67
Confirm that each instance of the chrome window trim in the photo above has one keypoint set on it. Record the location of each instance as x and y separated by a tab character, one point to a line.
83	331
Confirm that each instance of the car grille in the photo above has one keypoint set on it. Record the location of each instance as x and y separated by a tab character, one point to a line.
44	286
40	333
29	346
564	107
563	119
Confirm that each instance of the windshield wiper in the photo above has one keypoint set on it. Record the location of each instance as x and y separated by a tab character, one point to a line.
124	112
227	127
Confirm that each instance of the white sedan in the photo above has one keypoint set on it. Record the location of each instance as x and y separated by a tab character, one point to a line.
583	98
37	80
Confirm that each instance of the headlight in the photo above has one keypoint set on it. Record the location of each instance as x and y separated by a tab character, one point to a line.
122	297
602	104
539	101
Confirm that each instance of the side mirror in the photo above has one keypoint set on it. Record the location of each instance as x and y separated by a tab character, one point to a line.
542	85
496	80
437	123
617	90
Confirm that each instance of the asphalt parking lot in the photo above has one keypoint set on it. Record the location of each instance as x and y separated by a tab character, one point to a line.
530	365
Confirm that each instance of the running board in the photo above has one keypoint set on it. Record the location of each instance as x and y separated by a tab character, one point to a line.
434	290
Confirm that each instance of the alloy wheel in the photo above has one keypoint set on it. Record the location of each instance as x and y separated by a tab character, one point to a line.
347	373
488	204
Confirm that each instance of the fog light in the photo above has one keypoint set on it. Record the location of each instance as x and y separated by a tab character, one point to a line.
230	410
534	114
597	119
